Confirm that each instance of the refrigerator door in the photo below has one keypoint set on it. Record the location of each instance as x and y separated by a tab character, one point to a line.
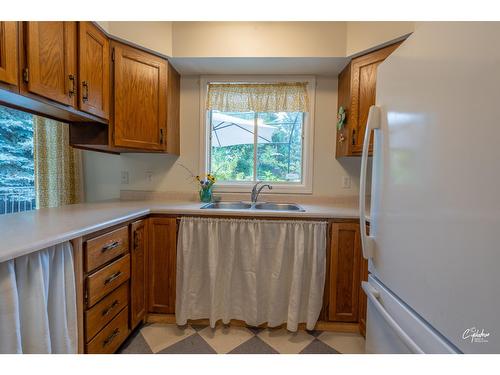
393	328
435	214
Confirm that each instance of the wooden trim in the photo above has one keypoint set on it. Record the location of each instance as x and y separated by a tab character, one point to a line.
79	283
320	325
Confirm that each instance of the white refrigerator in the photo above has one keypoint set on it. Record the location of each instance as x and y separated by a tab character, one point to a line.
434	241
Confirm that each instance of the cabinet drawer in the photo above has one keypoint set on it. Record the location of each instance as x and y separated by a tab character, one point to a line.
104	311
107	279
102	249
111	337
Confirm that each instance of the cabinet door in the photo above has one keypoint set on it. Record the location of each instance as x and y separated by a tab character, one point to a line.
8	52
138	280
363	85
93	70
51	60
345	260
140	99
162	263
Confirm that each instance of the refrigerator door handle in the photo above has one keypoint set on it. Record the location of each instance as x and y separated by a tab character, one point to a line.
367	242
373	296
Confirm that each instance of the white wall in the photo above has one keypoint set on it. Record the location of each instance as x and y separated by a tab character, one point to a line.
156	36
362	36
102	172
259	39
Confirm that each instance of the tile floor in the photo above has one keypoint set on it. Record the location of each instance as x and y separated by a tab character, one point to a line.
194	339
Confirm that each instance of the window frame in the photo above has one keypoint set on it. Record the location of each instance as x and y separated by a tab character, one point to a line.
305	187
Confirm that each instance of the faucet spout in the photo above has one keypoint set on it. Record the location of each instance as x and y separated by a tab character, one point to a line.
256	191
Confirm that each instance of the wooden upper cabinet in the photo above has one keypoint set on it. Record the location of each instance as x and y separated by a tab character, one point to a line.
93	70
162	264
140	99
8	53
138	278
356	93
345	267
50	62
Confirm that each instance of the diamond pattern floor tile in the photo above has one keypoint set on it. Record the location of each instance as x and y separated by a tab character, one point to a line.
254	346
346	343
161	336
135	344
224	339
286	342
200	339
318	347
193	344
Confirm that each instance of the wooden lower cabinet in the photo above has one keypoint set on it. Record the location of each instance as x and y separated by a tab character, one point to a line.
111	337
344	272
105	283
162	264
138	280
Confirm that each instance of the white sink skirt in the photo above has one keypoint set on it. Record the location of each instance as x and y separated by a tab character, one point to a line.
258	271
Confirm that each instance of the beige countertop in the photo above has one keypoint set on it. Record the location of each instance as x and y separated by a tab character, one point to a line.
25	232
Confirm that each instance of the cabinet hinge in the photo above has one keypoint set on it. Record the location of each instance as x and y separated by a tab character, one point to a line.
86	297
26	75
353	141
113	54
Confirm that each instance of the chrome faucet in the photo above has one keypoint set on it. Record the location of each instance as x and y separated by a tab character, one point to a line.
256	191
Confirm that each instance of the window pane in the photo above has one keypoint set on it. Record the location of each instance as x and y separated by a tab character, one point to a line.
17	178
279	150
232	157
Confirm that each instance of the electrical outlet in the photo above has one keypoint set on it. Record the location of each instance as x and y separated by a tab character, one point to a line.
124	178
346	182
149	176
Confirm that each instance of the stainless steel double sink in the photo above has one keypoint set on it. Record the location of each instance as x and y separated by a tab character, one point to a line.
268	206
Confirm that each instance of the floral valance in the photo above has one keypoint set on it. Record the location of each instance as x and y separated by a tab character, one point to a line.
258	97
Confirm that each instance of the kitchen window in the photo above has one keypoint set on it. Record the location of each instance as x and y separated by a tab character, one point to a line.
258	130
38	168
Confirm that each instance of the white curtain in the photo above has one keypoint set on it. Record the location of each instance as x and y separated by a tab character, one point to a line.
257	271
38	302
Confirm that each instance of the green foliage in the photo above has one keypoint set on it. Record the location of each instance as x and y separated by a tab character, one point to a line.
275	160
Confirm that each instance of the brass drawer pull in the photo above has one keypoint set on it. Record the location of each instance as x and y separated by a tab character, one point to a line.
111	337
111	246
112	277
107	310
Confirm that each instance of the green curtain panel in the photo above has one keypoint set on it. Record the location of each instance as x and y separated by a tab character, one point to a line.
57	165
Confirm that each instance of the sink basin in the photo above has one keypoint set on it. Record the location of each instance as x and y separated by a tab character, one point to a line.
278	207
255	206
228	205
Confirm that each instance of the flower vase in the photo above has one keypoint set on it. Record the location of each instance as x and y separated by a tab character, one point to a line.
206	195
